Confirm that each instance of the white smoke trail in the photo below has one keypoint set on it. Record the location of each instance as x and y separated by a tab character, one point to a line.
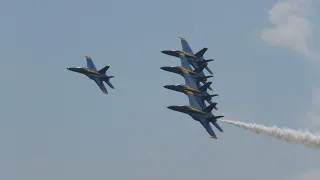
289	135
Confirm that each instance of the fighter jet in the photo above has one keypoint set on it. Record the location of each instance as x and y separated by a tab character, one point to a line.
91	71
192	78
203	115
200	93
195	60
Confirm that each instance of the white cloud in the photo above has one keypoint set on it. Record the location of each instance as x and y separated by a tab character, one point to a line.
312	175
291	26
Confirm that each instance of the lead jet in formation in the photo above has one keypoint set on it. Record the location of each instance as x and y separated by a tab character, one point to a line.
195	60
98	76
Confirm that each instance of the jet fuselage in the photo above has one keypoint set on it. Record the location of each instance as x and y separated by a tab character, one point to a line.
186	90
177	53
193	112
90	73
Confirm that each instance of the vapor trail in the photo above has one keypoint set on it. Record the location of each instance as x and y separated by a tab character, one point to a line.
289	135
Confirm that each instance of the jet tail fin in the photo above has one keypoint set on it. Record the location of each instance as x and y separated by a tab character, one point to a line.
204	87
210	107
104	70
199	69
201	53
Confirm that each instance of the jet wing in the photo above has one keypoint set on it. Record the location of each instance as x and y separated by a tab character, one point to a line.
185	46
101	86
193	101
206	125
184	62
90	64
190	81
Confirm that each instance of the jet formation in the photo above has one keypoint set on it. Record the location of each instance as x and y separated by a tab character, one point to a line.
191	69
98	76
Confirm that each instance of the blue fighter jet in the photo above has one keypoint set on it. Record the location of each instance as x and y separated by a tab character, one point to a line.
98	76
200	93
195	60
203	115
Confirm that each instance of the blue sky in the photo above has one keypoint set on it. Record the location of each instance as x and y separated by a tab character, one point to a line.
58	125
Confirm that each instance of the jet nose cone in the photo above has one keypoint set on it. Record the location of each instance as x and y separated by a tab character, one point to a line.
168	86
165	68
171	52
74	69
174	108
165	51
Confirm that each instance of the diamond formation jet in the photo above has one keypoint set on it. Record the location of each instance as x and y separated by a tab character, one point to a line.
98	76
196	93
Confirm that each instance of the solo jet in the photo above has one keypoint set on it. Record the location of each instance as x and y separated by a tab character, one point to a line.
200	94
203	115
195	60
91	71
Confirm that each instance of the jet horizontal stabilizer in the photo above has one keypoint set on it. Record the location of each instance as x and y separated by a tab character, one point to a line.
209	70
204	78
218	117
206	61
209	97
213	95
217	126
109	83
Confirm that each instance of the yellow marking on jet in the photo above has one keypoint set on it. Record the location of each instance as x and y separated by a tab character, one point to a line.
181	54
94	72
214	137
105	92
192	89
182	38
197	110
187	54
188	92
187	71
87	57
